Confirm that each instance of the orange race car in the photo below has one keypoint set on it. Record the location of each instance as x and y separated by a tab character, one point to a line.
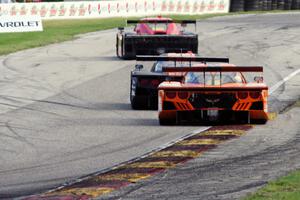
222	93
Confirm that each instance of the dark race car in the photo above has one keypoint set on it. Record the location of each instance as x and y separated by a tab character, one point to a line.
154	36
144	84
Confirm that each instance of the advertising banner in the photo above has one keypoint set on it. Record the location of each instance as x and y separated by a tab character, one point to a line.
20	24
117	8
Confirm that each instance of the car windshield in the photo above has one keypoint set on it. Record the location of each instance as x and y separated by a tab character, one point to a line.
158	26
160	64
213	78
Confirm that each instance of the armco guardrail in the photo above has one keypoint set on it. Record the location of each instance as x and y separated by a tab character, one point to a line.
118	8
257	5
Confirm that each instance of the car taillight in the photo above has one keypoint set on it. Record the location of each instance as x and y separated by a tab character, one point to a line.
144	82
183	95
171	95
155	83
242	95
255	94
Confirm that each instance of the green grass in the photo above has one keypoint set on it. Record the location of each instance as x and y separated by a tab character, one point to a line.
285	188
297	104
54	31
61	30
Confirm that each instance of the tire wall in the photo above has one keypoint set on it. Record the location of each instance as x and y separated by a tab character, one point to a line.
260	5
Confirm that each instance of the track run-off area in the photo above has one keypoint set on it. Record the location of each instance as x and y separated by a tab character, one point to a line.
65	115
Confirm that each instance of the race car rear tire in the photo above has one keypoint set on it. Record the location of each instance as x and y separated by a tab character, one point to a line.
137	104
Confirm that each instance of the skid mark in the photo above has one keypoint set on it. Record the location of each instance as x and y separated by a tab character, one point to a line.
147	166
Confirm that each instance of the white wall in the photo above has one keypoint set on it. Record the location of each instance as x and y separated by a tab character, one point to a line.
118	8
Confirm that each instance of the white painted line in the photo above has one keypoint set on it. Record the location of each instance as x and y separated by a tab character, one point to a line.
277	85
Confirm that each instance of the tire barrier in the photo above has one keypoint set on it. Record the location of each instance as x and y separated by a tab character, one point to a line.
263	5
287	4
295	5
274	4
237	6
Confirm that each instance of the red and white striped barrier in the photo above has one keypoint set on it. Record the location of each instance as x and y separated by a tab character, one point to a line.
118	8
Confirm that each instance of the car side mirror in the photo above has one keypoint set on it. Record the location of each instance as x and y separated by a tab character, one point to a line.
139	67
259	79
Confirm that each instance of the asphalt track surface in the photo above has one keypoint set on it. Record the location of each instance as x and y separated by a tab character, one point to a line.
65	113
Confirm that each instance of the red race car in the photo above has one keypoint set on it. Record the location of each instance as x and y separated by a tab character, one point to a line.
221	93
154	36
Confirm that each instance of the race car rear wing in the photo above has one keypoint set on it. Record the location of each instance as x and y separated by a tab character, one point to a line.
182	59
214	69
162	21
219	70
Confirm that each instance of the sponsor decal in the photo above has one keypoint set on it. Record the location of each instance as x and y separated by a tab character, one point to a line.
145	6
99	8
20	24
53	10
222	5
82	10
179	6
90	9
187	6
202	7
127	7
211	5
118	7
136	6
72	10
171	6
13	11
34	10
23	10
62	10
164	6
195	7
43	11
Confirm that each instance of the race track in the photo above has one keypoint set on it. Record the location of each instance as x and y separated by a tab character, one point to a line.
65	109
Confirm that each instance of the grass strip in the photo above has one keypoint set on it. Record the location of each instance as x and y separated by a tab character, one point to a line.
285	188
